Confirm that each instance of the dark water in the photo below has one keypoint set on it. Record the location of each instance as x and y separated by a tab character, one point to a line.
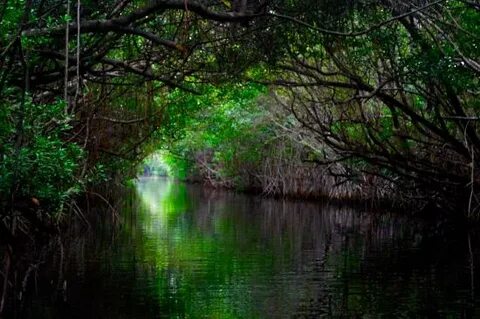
180	251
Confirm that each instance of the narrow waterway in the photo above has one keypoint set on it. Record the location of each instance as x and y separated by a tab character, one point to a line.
182	251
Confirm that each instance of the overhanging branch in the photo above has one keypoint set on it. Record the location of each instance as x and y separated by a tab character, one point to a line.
154	7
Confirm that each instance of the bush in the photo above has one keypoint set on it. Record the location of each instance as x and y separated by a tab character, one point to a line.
34	160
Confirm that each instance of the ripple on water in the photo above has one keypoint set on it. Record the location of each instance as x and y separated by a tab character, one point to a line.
184	252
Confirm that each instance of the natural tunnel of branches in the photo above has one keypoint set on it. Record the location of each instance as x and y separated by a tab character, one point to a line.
365	99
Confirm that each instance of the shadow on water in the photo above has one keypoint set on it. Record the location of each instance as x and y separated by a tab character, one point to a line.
181	251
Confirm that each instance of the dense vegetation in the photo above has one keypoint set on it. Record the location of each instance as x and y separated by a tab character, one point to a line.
369	99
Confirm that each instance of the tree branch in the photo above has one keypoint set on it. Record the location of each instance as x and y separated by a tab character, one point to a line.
154	7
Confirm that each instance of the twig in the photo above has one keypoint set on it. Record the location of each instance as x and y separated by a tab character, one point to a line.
77	89
114	211
67	34
357	33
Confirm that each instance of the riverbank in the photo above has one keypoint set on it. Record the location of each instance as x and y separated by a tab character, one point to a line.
375	197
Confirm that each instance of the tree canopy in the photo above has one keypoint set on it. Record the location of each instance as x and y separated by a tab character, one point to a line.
366	98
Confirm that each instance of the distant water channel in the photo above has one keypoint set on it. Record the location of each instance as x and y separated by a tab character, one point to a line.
183	251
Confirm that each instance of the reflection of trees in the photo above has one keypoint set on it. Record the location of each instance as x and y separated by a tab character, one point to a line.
216	254
339	262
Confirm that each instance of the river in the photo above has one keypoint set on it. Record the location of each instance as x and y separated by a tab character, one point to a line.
183	251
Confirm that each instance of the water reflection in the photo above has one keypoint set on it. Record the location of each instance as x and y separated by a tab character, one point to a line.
186	252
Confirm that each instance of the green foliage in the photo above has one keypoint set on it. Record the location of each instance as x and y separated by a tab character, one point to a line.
227	130
135	75
11	19
35	161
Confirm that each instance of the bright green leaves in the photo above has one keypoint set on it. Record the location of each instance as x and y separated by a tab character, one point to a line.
222	124
35	161
11	20
47	168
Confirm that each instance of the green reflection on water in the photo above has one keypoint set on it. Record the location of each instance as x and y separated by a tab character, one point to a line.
205	263
182	251
212	259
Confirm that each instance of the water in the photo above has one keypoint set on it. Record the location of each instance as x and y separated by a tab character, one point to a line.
181	251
